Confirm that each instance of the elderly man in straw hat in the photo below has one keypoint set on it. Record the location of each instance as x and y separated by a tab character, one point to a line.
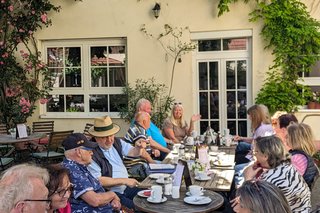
88	194
108	166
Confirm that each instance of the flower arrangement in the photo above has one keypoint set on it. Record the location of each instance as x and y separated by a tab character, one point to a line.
316	97
198	166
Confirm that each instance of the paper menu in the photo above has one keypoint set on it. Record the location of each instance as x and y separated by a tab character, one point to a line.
178	175
203	156
156	166
22	131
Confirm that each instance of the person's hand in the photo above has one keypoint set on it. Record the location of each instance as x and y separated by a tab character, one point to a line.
195	117
251	171
131	182
115	203
235	201
156	152
142	144
237	138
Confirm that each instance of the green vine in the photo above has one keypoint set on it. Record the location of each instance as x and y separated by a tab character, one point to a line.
293	35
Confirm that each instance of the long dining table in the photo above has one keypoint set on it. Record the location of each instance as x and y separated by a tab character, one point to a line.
221	176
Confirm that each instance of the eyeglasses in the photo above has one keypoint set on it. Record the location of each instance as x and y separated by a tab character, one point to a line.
48	202
63	192
177	103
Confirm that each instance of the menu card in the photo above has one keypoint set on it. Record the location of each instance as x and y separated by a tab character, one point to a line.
22	131
203	156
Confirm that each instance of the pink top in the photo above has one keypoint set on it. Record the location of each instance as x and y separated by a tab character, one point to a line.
66	209
300	162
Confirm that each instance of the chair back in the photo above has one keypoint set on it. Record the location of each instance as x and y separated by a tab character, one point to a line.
3	129
45	127
86	129
56	138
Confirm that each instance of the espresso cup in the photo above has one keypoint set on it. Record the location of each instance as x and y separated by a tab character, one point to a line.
195	190
156	193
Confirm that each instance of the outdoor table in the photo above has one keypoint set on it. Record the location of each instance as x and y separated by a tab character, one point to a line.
221	180
178	205
8	139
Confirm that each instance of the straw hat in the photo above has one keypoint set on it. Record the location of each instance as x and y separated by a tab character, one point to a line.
103	127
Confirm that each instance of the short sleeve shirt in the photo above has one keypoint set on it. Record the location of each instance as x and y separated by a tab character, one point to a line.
179	132
83	182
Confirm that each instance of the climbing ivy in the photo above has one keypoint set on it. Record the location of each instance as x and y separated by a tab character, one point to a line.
293	35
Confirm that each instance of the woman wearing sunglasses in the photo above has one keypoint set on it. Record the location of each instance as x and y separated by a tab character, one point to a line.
175	128
59	188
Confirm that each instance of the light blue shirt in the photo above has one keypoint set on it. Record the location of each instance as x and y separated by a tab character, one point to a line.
118	168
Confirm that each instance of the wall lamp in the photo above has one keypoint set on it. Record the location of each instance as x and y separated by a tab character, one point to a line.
156	10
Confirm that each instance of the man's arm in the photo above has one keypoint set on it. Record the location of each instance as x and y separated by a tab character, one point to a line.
155	145
109	182
99	199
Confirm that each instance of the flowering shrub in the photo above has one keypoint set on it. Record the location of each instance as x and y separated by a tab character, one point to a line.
22	84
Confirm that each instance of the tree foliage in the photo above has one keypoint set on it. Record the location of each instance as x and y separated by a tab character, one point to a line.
152	91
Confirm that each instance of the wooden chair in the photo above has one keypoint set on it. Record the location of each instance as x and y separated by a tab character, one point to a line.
3	129
55	151
45	127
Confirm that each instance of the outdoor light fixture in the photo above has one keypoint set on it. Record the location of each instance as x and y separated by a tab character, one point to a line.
156	10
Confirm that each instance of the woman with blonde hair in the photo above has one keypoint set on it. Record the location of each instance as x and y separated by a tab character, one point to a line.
300	142
175	128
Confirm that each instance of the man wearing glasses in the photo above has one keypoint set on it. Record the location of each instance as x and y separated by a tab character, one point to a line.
23	189
88	194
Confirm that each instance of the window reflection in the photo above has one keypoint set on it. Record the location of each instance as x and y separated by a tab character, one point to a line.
231	74
242	74
55	103
55	56
117	102
98	103
209	45
74	103
203	76
235	44
214	75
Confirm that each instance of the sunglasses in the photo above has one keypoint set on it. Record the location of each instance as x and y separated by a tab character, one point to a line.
177	103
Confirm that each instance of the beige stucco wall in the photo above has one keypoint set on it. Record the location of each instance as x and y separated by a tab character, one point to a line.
146	58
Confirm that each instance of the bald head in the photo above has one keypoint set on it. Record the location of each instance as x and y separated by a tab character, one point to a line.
143	119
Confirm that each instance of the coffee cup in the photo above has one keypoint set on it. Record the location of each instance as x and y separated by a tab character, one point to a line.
175	192
168	189
195	190
176	147
214	148
156	193
202	175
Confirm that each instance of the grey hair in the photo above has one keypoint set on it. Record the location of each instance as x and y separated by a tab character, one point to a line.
262	197
272	147
141	102
17	184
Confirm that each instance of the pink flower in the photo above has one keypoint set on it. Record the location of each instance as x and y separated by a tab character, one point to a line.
2	1
43	100
44	18
33	12
10	8
5	55
21	30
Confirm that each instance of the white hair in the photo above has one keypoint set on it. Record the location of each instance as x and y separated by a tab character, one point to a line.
17	184
141	102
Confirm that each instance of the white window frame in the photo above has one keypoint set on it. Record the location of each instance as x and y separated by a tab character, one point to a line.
86	89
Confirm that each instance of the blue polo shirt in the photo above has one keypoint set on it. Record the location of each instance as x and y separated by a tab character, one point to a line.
83	182
156	135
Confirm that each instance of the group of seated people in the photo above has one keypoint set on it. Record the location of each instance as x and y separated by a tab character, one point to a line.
281	156
94	178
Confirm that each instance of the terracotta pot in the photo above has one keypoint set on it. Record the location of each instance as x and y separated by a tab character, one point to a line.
312	105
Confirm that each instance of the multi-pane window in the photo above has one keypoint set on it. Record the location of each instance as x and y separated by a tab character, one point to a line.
87	76
312	78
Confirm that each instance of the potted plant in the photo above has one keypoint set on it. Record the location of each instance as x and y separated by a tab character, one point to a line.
314	101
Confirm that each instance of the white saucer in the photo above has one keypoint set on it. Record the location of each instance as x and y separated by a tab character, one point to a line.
223	164
149	199
202	179
141	193
197	200
157	175
188	194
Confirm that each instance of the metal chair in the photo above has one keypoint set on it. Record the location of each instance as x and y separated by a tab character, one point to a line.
55	151
6	159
